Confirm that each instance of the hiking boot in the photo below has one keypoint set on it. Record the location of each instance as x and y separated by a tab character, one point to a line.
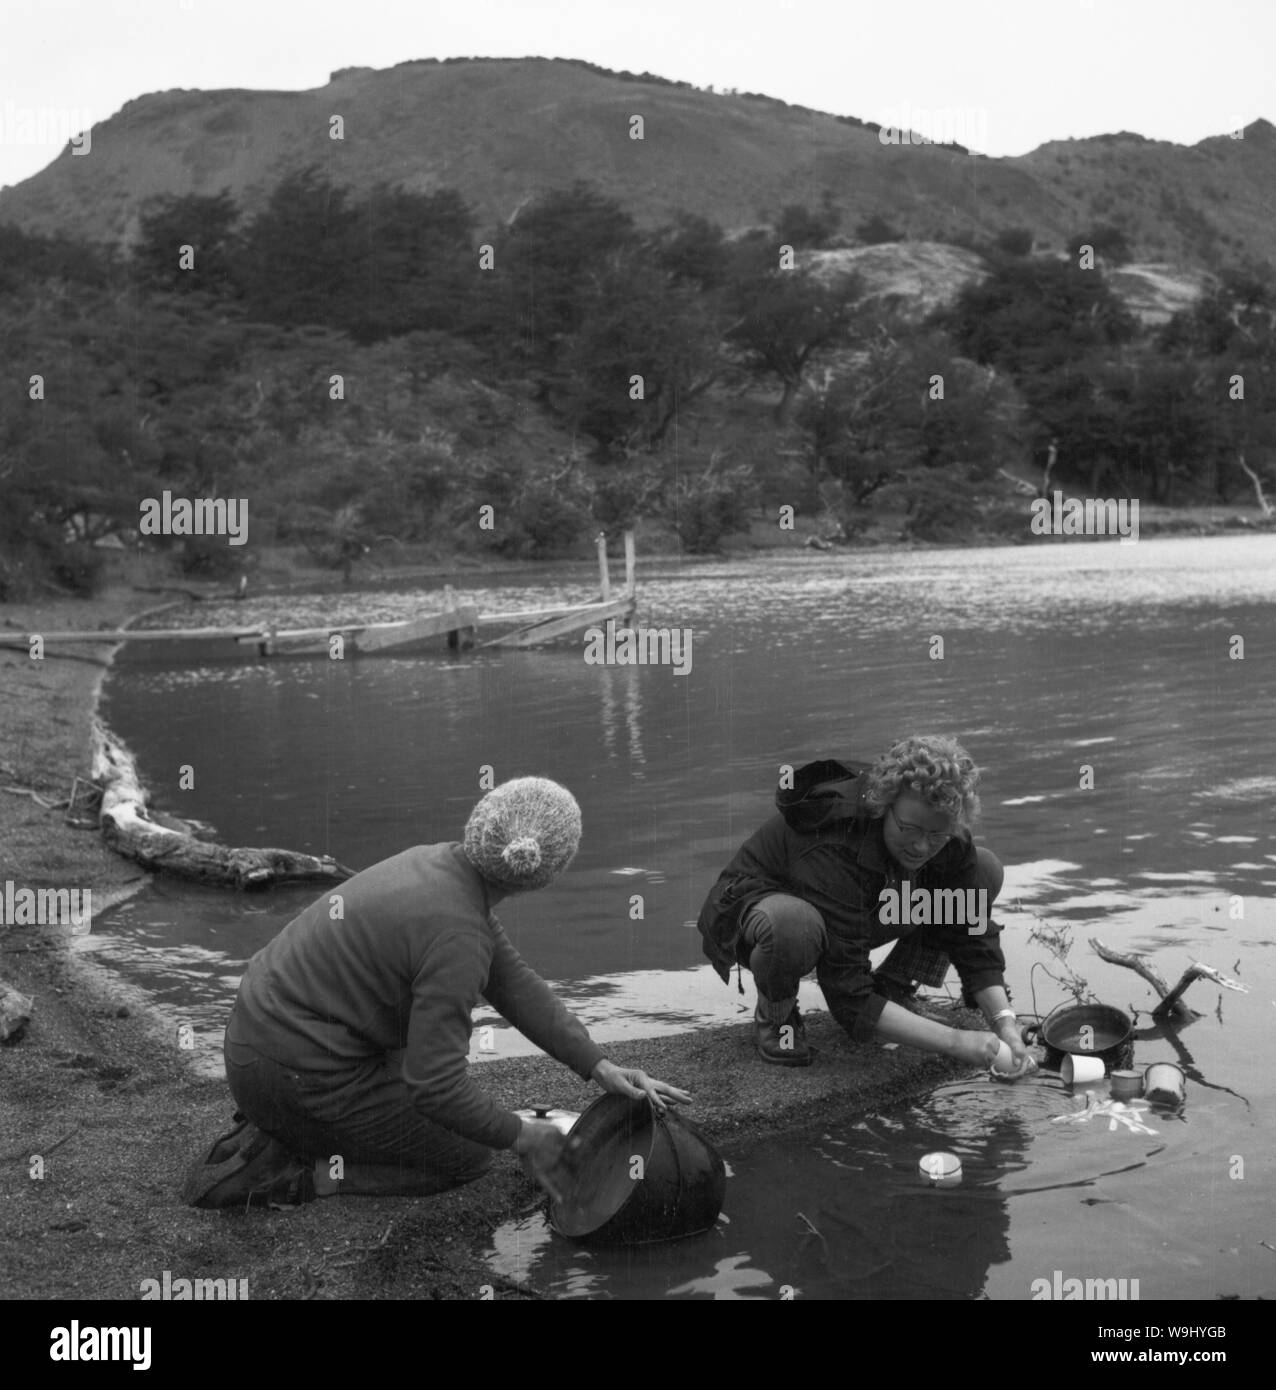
230	1143
783	1044
248	1167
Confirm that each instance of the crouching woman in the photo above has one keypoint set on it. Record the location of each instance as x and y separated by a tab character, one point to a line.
837	873
347	1050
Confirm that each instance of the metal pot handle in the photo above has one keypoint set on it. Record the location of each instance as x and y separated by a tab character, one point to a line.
1031	1033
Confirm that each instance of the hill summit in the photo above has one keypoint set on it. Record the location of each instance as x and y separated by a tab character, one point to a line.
500	131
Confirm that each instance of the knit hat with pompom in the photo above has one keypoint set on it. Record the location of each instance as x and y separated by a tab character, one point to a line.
524	833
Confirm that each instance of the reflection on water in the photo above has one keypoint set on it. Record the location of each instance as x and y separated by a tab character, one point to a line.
847	1214
620	691
844	1214
1127	790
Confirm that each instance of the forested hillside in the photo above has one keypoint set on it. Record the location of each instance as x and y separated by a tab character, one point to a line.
371	365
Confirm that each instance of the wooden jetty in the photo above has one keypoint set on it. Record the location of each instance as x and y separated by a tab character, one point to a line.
547	624
459	623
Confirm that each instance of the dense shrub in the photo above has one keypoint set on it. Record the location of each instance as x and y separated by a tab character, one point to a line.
38	559
707	507
1014	241
623	495
542	512
942	507
875	230
78	568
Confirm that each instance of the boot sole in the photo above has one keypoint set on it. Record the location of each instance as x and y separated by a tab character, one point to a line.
791	1059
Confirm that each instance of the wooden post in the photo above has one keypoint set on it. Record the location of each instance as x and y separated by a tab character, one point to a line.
460	639
604	577
630	564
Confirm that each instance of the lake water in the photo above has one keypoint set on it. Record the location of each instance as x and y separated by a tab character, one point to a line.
1054	658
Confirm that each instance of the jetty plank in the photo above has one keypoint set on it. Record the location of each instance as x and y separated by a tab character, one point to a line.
377	639
529	615
569	621
166	634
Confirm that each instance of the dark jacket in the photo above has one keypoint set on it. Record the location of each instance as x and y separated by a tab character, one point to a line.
826	849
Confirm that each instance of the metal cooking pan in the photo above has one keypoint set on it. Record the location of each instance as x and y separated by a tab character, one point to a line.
1085	1030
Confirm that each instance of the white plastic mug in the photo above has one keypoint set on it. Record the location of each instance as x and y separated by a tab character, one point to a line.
1076	1071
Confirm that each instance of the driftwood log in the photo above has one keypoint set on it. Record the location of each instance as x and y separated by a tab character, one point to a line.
1171	1005
174	846
15	1013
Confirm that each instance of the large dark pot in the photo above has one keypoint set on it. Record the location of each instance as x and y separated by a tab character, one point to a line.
1061	1031
639	1176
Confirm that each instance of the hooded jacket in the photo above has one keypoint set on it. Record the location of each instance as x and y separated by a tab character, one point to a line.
825	848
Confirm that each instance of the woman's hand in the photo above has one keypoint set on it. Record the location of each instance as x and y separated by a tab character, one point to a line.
980	1050
1009	1032
629	1081
542	1148
977	1049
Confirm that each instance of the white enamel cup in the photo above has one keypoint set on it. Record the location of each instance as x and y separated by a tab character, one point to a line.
1076	1071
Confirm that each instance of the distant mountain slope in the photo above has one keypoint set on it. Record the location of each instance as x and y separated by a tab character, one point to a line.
501	131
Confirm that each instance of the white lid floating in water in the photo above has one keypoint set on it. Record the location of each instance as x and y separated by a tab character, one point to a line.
940	1166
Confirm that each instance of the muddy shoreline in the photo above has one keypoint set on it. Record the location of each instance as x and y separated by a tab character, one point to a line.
99	1089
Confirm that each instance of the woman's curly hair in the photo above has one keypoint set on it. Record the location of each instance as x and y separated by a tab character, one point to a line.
933	766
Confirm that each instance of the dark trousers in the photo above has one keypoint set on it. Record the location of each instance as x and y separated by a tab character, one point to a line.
784	938
363	1115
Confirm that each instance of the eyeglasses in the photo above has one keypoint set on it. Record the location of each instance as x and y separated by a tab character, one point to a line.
914	832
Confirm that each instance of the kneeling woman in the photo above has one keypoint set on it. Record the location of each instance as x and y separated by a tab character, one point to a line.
808	892
350	1035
